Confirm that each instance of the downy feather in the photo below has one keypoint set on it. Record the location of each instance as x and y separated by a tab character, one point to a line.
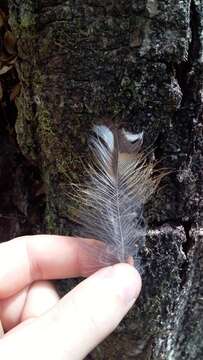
110	205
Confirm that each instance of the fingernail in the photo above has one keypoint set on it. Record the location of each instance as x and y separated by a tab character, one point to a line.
126	282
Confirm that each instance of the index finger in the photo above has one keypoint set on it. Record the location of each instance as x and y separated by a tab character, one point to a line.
42	257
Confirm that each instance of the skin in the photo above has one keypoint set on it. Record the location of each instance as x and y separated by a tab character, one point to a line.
39	325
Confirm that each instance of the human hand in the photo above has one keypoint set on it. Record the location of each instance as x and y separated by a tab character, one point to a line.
38	324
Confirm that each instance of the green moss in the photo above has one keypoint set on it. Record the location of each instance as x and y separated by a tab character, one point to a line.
45	123
45	129
27	21
50	221
38	81
27	17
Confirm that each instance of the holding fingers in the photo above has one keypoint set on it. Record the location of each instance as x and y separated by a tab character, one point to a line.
67	328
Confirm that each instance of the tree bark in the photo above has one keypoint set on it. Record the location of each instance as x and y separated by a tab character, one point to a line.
140	62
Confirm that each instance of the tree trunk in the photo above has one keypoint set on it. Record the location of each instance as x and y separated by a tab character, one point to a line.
138	61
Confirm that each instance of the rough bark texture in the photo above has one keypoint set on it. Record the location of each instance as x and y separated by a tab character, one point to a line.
142	59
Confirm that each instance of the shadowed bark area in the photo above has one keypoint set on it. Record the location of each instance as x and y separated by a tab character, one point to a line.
139	61
21	202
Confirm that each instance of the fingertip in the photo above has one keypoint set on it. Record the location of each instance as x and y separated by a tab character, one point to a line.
133	282
126	281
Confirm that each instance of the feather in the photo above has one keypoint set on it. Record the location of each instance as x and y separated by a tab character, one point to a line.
110	205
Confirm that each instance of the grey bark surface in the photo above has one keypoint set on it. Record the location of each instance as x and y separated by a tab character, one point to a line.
142	59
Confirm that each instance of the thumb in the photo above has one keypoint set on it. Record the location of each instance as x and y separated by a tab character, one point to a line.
84	317
93	309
